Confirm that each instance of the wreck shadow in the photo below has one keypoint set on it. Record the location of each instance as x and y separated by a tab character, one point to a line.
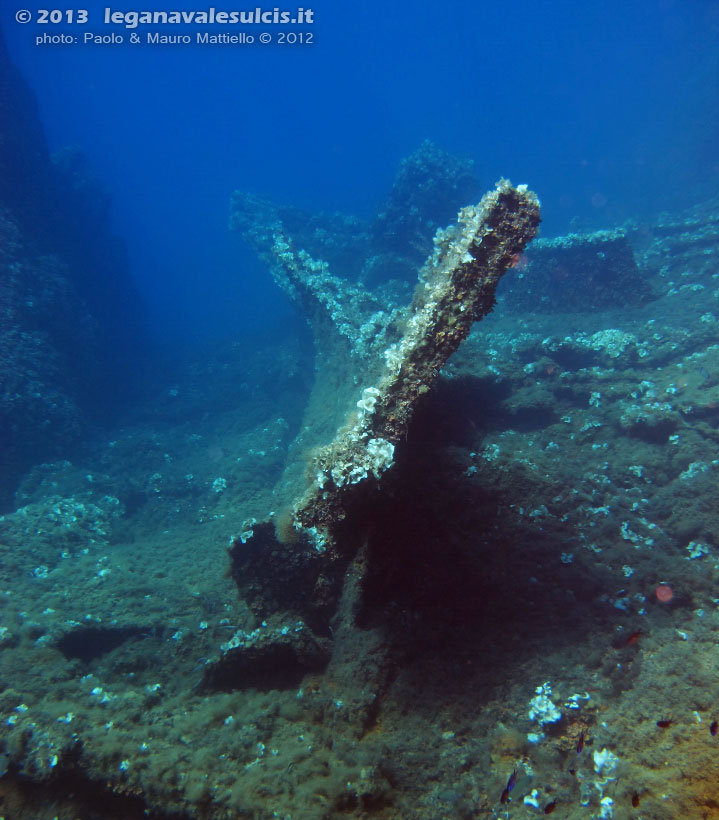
460	410
453	570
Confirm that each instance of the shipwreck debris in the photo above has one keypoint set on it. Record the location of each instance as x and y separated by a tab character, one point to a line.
375	359
579	272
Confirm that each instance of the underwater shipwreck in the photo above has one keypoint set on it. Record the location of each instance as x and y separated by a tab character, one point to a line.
394	562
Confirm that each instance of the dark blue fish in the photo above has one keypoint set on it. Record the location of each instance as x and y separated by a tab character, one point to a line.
508	788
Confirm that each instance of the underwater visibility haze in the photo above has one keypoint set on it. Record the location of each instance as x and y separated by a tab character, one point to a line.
359	411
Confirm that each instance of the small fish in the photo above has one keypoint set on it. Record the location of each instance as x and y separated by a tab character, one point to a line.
713	728
664	724
508	788
633	638
580	743
635	800
550	807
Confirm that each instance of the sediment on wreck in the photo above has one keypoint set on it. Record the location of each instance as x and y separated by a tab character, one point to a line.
375	359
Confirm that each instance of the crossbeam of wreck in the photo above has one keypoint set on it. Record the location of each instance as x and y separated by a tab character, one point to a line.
456	288
375	359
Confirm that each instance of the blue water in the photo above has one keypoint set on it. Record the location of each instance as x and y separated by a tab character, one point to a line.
607	109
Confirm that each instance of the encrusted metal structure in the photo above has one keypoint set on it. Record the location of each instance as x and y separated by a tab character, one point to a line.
383	357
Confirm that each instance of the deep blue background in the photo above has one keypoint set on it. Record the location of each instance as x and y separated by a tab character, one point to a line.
607	109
